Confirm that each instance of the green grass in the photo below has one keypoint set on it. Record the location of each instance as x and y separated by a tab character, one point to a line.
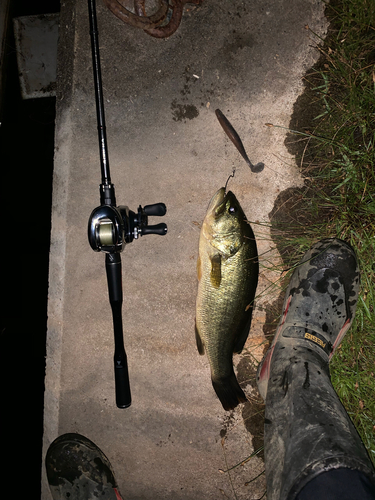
337	158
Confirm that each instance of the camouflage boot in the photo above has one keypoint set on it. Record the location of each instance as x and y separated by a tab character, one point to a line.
77	469
307	430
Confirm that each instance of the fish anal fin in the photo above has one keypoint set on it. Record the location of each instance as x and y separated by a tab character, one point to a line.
215	275
200	345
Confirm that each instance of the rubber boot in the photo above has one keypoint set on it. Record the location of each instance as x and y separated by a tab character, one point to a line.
77	469
307	430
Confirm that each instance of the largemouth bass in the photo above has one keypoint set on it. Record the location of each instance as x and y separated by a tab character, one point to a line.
228	276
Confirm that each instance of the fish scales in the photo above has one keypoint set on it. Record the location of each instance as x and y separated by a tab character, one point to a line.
228	275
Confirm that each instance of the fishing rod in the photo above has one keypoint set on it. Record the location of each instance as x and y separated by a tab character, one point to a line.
111	227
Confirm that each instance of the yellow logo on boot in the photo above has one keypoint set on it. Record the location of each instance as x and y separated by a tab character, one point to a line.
320	342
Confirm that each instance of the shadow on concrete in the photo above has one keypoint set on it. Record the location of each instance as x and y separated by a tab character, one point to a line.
27	147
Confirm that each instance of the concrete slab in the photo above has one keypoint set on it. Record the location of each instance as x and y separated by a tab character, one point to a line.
165	144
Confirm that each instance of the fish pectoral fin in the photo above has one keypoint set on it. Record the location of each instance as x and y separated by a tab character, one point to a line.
200	345
215	275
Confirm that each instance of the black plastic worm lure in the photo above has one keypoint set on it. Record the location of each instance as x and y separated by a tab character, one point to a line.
235	138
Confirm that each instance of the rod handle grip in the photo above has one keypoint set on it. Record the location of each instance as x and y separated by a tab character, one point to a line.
122	385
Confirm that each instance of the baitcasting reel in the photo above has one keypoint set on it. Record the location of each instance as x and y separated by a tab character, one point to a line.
110	227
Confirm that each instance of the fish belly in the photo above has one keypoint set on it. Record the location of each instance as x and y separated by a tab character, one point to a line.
222	316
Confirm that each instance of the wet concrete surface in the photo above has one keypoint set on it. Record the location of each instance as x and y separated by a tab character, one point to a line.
165	144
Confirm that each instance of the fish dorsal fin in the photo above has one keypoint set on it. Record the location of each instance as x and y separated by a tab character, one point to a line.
215	270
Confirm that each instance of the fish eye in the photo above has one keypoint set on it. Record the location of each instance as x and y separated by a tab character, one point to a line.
232	210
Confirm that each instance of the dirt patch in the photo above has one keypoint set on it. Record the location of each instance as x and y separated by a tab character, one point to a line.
307	107
290	218
183	112
253	410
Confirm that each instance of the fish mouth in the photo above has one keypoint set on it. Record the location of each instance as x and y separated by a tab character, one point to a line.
217	203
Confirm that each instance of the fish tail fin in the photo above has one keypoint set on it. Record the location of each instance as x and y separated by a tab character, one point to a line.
229	392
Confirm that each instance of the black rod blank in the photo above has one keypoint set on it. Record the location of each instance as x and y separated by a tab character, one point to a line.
103	148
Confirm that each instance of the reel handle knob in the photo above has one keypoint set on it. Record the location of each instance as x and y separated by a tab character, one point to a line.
160	229
157	209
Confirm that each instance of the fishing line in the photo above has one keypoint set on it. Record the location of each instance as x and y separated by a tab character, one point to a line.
226	184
